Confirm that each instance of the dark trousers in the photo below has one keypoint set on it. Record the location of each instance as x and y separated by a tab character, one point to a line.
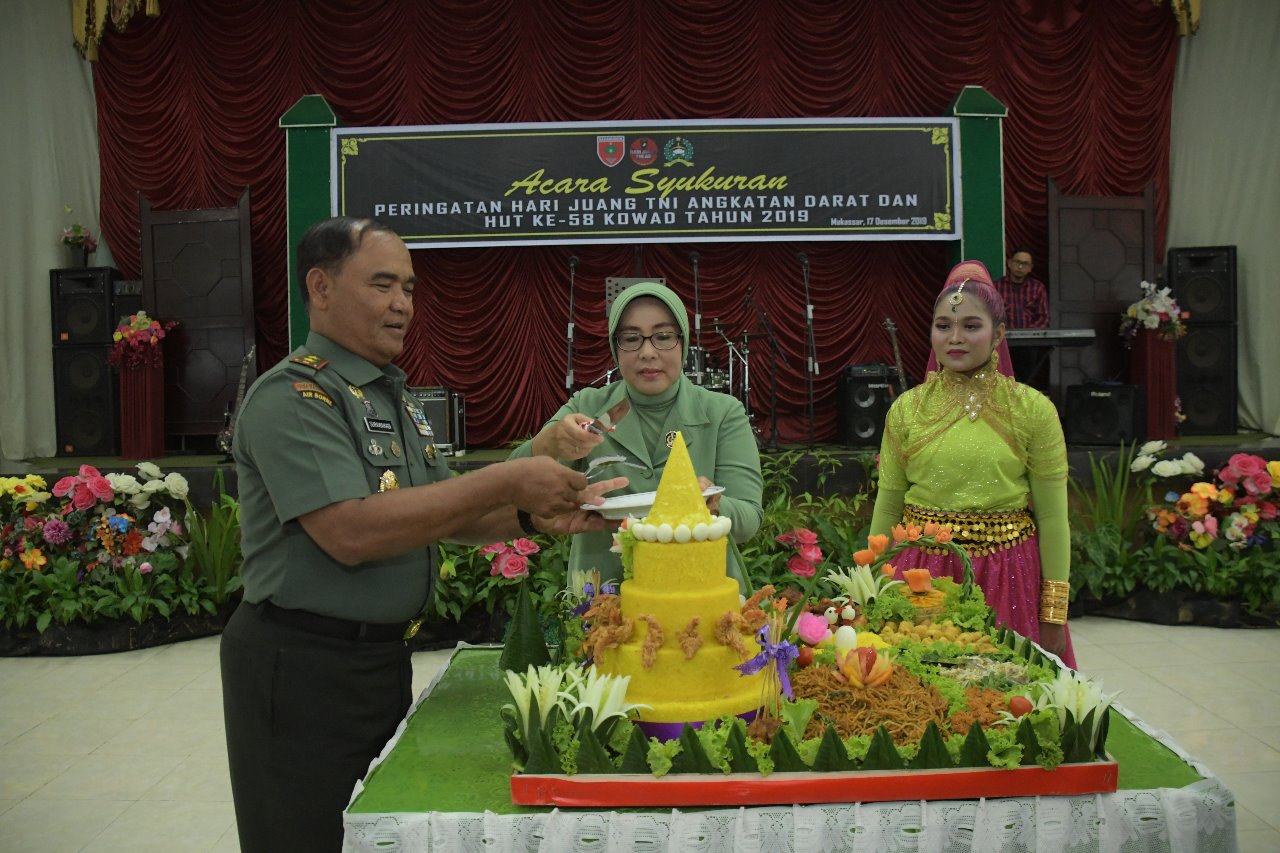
305	715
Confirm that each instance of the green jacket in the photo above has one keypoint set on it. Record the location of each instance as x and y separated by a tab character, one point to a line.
721	445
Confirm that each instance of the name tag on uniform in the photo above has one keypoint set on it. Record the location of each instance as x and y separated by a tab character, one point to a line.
379	425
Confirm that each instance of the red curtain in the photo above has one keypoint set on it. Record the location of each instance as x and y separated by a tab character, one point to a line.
188	105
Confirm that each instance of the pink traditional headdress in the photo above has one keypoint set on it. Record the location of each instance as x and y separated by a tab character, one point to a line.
971	279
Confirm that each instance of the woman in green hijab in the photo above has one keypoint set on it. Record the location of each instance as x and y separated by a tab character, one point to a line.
649	338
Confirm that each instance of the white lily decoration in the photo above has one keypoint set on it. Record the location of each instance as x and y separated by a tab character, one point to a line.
543	682
858	585
603	695
1073	692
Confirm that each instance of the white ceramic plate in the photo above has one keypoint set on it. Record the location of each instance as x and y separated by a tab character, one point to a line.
638	504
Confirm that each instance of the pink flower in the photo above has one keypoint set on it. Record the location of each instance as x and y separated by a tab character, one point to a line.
812	628
512	565
811	553
494	548
525	547
796	538
144	569
800	566
1248	471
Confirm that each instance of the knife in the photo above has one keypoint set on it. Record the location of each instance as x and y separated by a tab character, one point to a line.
609	420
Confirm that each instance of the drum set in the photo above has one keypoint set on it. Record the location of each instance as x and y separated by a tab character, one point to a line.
728	372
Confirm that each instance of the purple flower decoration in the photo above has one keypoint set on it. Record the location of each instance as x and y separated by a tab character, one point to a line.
57	532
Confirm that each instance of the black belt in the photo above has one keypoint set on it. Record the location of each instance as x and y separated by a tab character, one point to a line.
332	626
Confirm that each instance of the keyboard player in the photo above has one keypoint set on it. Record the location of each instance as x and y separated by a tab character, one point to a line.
1026	301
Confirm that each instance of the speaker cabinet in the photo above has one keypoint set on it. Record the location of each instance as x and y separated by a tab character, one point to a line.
126	299
1204	282
80	301
1207	379
447	414
1105	414
87	417
863	398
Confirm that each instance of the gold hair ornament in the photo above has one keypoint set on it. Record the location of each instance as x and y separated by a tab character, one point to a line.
956	298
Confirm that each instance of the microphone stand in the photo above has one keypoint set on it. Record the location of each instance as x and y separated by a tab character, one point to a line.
771	445
810	343
568	371
700	356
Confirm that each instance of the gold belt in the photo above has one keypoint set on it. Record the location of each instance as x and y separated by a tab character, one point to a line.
979	533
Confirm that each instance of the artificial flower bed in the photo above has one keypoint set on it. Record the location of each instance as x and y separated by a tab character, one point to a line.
875	689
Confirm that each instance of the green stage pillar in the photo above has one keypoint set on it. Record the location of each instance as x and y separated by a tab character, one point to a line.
982	175
307	183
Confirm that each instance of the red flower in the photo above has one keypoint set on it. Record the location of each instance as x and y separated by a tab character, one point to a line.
800	566
812	553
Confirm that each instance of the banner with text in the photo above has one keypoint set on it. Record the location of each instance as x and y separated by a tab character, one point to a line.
664	181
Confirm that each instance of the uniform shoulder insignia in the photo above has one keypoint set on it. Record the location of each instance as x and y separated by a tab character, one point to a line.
313	361
312	391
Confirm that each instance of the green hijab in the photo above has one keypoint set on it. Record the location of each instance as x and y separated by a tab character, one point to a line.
663	294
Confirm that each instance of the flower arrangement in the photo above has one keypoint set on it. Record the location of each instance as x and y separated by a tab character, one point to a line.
1236	509
77	235
137	340
1156	310
93	546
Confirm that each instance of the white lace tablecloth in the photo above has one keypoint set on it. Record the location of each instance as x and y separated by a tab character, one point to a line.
1198	817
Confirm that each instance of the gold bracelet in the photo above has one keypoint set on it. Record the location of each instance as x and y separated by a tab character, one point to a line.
1054	598
1053	615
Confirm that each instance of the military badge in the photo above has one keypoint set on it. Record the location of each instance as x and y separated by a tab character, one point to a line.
678	150
315	362
388	481
611	149
395	448
312	391
375	448
359	395
643	151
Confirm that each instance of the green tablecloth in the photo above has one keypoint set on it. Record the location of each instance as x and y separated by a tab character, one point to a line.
451	756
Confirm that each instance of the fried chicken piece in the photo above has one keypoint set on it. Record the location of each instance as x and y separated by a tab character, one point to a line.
652	642
608	637
729	632
689	639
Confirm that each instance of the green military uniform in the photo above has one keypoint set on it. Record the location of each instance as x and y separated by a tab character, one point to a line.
716	431
315	673
320	427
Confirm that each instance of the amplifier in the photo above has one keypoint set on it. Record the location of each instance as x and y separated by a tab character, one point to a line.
447	414
869	371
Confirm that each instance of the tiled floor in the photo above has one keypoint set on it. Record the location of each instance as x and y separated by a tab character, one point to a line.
125	751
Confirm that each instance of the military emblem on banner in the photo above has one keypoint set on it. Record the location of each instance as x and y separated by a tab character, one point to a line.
643	151
611	149
678	150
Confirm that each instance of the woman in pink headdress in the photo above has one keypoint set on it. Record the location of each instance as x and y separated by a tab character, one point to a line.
975	450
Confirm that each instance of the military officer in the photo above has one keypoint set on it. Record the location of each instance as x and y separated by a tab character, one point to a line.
342	496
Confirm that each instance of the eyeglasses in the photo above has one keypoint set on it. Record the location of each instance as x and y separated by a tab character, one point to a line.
633	341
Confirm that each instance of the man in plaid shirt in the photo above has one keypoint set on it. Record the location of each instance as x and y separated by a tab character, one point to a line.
1026	299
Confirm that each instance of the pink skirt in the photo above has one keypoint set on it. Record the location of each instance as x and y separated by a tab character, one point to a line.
1009	578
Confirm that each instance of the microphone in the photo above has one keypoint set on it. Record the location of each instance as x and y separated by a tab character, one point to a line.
693	257
803	259
573	262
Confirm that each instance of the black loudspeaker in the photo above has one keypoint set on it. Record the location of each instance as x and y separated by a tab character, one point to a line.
448	417
1105	414
126	299
87	416
1203	281
80	302
862	400
1207	379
